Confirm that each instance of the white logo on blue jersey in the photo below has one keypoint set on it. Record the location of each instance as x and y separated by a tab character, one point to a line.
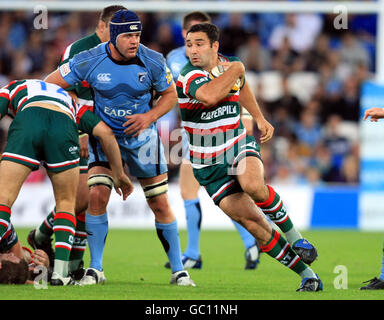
104	77
142	76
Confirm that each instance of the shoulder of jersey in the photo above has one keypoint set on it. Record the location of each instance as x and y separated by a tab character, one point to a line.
151	56
176	53
93	53
187	68
82	44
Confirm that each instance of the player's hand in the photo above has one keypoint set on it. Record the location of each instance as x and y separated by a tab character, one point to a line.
40	258
266	130
374	113
123	186
137	123
83	141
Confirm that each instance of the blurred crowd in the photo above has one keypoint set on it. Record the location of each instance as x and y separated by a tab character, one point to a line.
305	73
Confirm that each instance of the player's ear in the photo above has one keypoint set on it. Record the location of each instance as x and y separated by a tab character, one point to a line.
101	25
215	46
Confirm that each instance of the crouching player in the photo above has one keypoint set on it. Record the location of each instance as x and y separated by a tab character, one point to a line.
45	129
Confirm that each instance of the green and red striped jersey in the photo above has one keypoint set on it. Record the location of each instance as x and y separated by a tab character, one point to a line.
214	132
19	93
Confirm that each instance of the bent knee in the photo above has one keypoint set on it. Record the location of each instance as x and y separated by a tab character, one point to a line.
98	197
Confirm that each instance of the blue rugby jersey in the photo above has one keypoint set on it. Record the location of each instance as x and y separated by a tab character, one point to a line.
120	88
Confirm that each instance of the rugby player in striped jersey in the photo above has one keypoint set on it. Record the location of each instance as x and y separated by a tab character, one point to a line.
225	160
45	128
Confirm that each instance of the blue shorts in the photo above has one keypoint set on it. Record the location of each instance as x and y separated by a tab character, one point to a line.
144	160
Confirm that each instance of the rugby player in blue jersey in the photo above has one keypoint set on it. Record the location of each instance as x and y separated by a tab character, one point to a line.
123	74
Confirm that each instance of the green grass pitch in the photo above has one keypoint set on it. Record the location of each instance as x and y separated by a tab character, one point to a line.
134	260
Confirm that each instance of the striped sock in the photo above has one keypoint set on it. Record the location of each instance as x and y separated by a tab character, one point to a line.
45	230
5	219
64	226
278	248
79	244
274	208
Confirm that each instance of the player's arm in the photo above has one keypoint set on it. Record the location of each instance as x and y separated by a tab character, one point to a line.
122	183
247	121
374	113
90	123
217	89
56	78
138	122
248	101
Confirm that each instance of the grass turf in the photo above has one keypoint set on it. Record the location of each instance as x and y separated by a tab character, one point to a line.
134	260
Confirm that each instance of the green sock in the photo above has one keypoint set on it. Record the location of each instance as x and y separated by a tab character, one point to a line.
278	248
79	245
44	231
64	226
5	219
274	208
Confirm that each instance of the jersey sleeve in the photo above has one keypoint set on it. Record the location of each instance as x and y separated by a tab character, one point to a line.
4	102
192	81
76	69
162	77
65	57
87	120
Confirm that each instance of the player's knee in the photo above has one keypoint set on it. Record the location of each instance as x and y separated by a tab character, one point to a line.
159	206
257	191
98	198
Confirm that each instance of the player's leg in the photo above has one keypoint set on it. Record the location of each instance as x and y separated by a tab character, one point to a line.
252	250
80	240
12	177
64	185
41	237
189	188
240	207
96	221
269	201
155	190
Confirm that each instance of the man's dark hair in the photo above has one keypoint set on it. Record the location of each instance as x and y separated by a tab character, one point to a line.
13	273
209	29
108	12
195	16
